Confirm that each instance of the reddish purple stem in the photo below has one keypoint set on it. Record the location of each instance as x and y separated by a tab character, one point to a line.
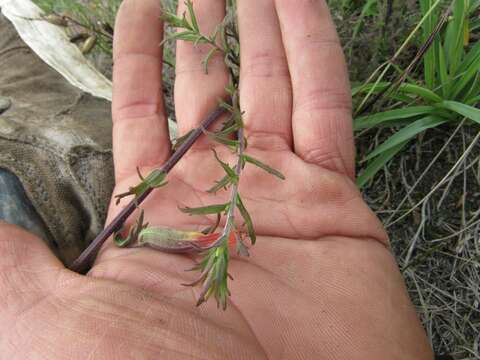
83	262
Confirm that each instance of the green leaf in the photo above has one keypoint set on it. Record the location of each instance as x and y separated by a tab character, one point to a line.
221	184
193	17
133	233
227	168
406	88
421	91
470	58
378	163
121	242
221	139
443	71
205	210
207	59
187	36
467	75
229	130
263	166
407	133
471	96
462	109
454	36
429	60
369	121
156	179
248	220
173	20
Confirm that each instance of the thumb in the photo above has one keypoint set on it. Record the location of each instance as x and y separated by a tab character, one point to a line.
28	269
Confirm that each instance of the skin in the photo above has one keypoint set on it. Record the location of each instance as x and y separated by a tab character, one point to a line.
321	282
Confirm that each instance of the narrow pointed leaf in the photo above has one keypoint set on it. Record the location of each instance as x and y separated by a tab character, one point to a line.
173	20
193	17
248	220
369	121
263	166
407	89
186	36
407	133
227	168
443	71
205	210
156	179
466	75
221	139
377	164
421	91
119	241
221	184
207	59
462	109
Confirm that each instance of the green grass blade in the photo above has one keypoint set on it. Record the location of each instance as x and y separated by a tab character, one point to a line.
443	72
470	57
474	5
429	60
374	88
374	167
406	88
465	79
455	36
369	121
407	133
205	210
472	92
400	50
462	109
420	91
475	25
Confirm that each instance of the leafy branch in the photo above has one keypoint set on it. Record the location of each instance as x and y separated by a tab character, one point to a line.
213	267
89	31
214	264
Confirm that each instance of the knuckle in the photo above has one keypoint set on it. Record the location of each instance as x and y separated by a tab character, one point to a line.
324	98
265	64
331	160
272	141
135	110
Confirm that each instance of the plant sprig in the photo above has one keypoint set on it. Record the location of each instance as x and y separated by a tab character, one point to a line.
96	30
214	265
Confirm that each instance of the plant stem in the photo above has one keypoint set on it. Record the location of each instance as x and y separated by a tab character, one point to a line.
230	220
87	256
89	28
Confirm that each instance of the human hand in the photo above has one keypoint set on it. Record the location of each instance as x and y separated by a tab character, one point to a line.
320	283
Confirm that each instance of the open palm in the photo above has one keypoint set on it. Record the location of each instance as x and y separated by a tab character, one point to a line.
320	283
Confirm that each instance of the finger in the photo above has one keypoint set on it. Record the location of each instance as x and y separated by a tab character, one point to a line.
266	93
140	132
197	93
321	120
